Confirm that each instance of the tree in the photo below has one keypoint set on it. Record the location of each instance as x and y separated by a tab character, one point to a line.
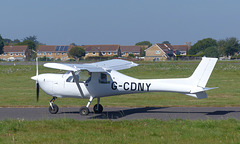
201	45
7	41
76	52
32	38
229	46
144	43
220	45
15	41
1	44
166	42
211	52
31	49
73	44
131	55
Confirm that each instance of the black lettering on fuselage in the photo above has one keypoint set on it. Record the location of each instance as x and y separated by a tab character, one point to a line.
114	85
126	86
140	86
148	86
132	86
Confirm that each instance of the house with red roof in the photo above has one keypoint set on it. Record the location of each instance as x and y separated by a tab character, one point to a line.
54	51
101	50
12	53
162	52
135	50
181	49
50	51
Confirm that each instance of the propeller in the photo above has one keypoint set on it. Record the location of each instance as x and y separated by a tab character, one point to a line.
37	84
36	77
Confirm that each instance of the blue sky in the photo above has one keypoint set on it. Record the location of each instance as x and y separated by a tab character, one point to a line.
123	22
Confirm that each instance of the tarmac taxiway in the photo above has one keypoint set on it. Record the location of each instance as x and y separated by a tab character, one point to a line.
125	113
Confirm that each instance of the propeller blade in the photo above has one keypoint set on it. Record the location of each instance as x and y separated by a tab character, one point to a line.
37	91
37	84
36	66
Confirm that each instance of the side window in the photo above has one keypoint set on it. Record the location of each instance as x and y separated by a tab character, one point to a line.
69	79
104	78
82	76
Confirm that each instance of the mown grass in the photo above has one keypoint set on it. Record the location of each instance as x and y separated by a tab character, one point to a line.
107	131
17	89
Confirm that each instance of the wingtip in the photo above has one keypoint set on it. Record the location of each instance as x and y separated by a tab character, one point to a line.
134	64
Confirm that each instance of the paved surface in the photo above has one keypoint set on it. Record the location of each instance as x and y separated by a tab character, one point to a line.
163	113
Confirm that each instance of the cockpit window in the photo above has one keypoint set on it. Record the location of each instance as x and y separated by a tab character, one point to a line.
104	78
69	79
82	76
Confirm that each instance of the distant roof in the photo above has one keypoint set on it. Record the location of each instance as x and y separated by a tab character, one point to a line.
144	46
54	48
165	47
98	48
8	49
180	47
131	48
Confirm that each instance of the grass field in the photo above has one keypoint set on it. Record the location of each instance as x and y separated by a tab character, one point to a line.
102	132
17	89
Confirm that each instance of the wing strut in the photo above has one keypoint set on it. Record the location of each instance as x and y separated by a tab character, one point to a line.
77	82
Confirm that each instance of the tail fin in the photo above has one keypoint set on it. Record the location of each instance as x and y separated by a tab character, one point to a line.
203	71
200	78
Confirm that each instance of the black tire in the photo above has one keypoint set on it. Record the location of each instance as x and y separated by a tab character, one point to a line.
53	110
99	110
84	111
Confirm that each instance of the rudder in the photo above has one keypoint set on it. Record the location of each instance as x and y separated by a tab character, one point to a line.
203	71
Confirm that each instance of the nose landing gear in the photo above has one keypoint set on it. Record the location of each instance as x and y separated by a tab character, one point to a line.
53	109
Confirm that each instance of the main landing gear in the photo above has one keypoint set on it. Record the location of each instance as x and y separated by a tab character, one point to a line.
53	109
98	108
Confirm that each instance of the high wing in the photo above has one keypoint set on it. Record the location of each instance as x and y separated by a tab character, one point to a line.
115	64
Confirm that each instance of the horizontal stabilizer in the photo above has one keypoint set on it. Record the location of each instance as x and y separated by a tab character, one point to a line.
199	92
199	95
200	89
207	88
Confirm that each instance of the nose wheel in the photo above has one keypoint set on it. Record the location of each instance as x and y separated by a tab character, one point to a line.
53	109
84	111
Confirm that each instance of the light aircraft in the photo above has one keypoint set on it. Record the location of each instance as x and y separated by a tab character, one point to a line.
105	80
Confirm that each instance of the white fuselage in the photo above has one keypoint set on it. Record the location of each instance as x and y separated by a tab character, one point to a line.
57	85
101	79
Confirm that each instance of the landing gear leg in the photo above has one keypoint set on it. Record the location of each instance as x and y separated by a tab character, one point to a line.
53	109
98	108
85	110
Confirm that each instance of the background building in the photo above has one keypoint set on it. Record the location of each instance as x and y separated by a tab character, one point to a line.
162	52
101	50
56	52
12	53
134	50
